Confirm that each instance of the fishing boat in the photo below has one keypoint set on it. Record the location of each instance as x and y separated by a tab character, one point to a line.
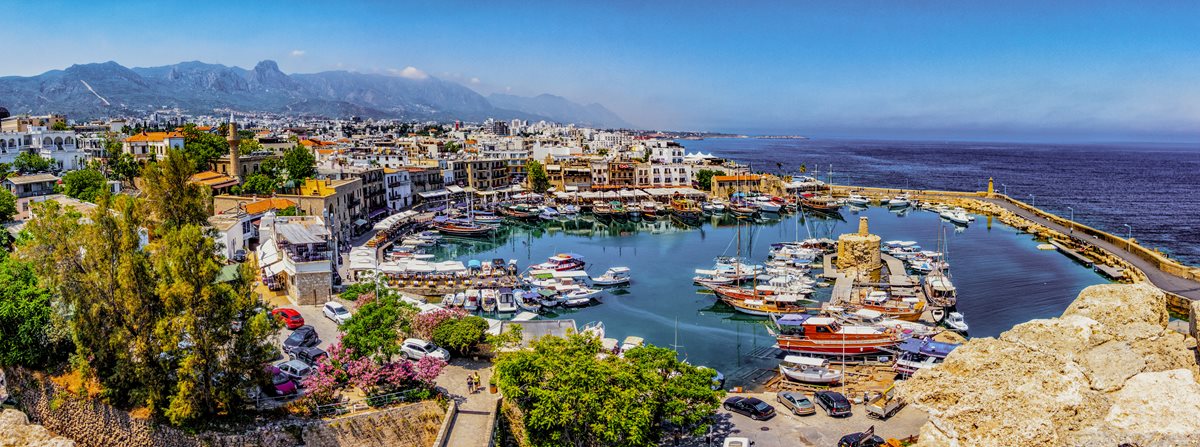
686	210
939	290
602	210
472	300
548	298
562	262
613	277
506	302
858	200
821	204
743	209
904	308
520	211
486	217
528	301
809	370
917	354
955	321
463	228
806	334
651	209
487	299
771	305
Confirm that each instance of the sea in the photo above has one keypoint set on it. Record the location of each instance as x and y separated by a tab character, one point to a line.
1152	188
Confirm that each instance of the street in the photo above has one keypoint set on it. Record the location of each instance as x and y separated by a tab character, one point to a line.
788	430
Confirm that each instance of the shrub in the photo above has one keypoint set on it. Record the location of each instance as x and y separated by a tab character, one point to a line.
460	335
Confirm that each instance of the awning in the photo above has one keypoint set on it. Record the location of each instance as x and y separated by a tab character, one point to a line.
360	222
273	269
433	194
378	212
454	189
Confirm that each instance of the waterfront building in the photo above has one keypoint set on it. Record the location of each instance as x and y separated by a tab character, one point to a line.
374	190
399	188
296	252
664	151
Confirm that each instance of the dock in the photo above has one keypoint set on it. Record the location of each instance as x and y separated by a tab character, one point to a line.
895	266
1074	255
829	271
843	287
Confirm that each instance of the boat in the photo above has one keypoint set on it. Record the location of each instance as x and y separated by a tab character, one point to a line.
613	277
917	354
548	298
900	201
520	212
602	210
806	334
958	217
711	278
686	210
808	369
486	217
858	200
568	210
955	321
562	262
939	290
631	342
651	209
472	300
507	301
448	300
463	228
460	299
904	308
768	306
527	300
766	205
743	209
487	299
718	207
868	317
549	213
821	204
580	297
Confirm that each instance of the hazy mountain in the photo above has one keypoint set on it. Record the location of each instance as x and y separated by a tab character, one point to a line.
563	110
103	89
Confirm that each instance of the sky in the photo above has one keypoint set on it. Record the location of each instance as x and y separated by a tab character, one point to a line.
957	69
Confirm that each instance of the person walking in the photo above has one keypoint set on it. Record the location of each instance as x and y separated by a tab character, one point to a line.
478	383
470	384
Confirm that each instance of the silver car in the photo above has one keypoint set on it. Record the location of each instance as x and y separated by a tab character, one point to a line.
417	349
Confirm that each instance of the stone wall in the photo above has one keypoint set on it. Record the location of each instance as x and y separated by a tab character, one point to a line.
311	288
1106	372
92	423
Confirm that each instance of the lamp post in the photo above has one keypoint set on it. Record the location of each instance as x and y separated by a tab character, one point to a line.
1032	201
1072	210
1005	189
1128	236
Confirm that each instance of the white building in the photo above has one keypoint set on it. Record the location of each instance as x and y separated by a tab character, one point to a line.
664	151
60	146
399	188
148	145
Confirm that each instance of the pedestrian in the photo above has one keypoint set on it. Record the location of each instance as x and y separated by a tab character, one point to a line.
478	383
470	384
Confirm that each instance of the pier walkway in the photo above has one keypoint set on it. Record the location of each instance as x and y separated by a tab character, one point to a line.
1184	287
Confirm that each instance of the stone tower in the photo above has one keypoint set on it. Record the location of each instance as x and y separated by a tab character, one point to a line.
860	250
991	187
235	164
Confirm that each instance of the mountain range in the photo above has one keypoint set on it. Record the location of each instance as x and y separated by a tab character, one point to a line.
109	89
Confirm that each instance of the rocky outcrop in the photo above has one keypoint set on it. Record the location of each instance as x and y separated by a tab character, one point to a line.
1106	372
16	431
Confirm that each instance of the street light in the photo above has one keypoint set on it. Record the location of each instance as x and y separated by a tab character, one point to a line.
1072	210
1005	189
1032	201
1128	236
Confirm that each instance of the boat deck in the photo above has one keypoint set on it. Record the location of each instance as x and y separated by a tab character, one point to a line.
895	266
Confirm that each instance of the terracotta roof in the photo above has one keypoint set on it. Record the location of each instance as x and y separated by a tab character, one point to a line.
274	203
153	137
736	178
213	179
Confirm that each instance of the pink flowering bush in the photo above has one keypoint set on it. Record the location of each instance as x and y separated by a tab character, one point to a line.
343	369
424	323
428	368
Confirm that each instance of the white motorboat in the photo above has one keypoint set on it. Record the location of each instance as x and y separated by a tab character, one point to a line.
613	277
900	201
955	321
448	300
488	298
858	200
808	369
528	301
579	298
958	217
507	302
472	300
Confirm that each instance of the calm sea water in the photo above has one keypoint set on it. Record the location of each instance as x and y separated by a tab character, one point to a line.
1153	188
1002	278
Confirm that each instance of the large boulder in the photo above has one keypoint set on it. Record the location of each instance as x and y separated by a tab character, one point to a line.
16	431
1107	372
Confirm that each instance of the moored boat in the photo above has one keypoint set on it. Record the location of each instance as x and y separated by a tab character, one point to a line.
686	210
917	354
808	369
462	228
806	334
613	277
562	262
858	200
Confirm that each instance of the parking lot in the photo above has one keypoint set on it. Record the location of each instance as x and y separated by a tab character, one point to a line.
787	429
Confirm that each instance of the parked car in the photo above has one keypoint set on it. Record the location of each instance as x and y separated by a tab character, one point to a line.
289	317
751	407
864	439
417	349
737	442
302	337
797	402
336	311
239	255
281	384
311	355
296	369
833	402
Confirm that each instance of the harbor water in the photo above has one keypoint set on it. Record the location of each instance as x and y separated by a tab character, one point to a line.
1002	278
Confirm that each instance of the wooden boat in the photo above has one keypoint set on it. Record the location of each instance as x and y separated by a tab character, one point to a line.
743	209
602	210
823	204
486	217
520	211
686	210
463	229
651	209
806	334
939	290
808	369
562	262
777	305
907	309
619	210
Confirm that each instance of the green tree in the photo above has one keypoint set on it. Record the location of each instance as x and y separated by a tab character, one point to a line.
571	396
460	335
704	178
539	181
259	184
202	147
299	163
59	125
375	331
84	184
175	200
27	162
25	317
8	205
123	166
249	145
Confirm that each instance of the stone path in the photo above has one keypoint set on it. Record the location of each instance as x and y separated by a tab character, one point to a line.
1181	286
474	423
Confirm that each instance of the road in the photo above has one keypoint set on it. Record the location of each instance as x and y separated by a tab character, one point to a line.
474	423
1187	288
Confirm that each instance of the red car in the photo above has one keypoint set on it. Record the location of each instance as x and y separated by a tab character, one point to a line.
289	317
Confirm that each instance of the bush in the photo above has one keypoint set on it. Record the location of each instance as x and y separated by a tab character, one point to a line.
460	335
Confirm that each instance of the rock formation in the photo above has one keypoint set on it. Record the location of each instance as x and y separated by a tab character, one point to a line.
1106	372
16	431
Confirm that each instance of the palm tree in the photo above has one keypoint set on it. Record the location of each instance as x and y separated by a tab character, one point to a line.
803	168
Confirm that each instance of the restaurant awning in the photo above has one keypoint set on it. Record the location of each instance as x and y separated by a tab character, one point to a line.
433	194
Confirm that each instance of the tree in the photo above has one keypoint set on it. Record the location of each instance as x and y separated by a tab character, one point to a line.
175	200
299	163
202	147
249	145
123	166
376	327
460	334
84	184
539	181
570	396
25	317
59	126
259	184
704	178
27	162
8	205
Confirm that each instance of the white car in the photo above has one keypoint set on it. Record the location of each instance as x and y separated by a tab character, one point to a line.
295	369
738	442
417	349
336	311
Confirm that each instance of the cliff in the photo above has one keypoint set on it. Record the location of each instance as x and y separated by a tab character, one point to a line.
1106	372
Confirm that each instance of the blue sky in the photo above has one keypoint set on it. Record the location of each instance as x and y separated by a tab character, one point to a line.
1000	70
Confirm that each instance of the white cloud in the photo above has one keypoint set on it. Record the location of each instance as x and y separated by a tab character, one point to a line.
409	72
297	53
475	81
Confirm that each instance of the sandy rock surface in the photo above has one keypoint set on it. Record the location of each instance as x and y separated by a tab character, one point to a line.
16	431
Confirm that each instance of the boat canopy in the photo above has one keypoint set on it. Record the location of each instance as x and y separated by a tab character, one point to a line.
941	284
868	314
792	319
706	272
805	361
474	263
927	347
619	270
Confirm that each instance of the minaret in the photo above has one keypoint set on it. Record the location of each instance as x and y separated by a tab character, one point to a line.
235	165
